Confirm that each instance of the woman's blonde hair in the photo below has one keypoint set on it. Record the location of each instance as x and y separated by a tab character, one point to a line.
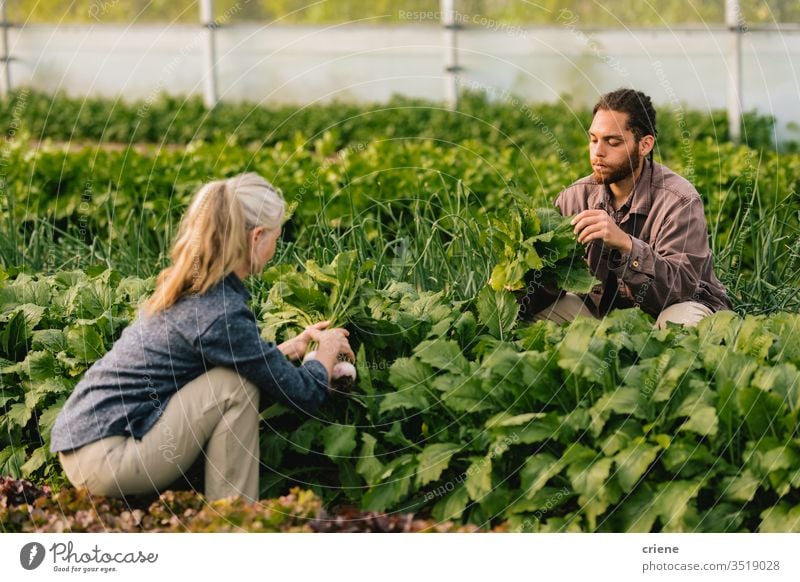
213	236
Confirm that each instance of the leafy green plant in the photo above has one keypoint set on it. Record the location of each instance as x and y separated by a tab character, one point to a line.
498	123
599	426
541	241
53	328
297	300
461	412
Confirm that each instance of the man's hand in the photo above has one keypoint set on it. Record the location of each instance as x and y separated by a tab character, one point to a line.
598	225
296	348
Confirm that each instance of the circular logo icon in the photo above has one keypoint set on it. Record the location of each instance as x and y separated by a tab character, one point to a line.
31	555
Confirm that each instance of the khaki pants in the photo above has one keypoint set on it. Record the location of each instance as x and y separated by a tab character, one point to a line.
564	310
215	414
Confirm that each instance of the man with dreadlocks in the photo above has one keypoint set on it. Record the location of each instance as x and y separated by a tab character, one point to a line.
643	225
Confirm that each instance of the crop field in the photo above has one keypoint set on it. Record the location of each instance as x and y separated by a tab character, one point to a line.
463	414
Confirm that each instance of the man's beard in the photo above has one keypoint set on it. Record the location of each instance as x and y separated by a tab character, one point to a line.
620	172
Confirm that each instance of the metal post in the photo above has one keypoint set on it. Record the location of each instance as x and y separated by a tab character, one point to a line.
451	68
5	86
210	53
734	23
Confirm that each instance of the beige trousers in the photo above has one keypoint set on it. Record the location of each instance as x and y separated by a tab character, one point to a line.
215	415
564	310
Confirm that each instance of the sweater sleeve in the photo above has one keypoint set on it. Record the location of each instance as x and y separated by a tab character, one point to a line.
233	341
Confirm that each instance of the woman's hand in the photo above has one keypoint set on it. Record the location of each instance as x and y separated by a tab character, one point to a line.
296	348
333	347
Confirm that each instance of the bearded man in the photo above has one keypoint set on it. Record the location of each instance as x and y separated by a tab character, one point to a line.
643	225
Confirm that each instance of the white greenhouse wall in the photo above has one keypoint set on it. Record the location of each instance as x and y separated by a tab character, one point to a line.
304	64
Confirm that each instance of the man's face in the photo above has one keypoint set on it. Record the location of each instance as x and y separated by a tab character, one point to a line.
613	149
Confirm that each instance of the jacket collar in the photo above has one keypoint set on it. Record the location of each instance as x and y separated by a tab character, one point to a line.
233	282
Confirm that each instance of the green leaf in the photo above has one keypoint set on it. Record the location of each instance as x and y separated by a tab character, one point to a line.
272	448
395	436
620	435
11	460
776	464
497	310
85	343
463	394
302	438
433	460
664	373
368	466
411	399
48	418
274	411
632	462
479	478
33	314
761	410
502	419
578	353
547	499
574	277
339	440
14	336
19	415
538	470
410	377
547	426
397	480
589	475
349	480
754	339
38	391
589	478
785	326
675	505
52	340
782	518
452	506
88	300
718	328
442	354
638	513
409	374
6	397
364	373
35	461
687	458
721	518
40	365
320	274
505	364
783	379
741	488
703	421
624	401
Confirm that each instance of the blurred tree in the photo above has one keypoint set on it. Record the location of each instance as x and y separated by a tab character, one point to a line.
589	13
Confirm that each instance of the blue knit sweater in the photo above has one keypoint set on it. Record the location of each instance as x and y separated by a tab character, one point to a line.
127	390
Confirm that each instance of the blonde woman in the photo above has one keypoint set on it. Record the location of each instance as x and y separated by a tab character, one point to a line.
185	377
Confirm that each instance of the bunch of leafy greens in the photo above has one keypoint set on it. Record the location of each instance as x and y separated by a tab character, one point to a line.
297	299
538	243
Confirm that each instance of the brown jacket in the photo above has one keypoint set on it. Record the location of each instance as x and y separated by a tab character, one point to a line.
670	261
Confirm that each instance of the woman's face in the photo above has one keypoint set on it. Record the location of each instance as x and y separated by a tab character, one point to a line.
262	247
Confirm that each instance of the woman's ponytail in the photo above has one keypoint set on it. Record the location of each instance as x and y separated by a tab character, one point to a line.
212	238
